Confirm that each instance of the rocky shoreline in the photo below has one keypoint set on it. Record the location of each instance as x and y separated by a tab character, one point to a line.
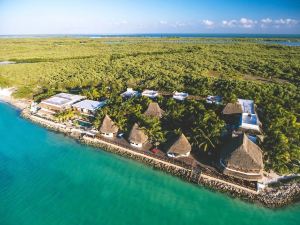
268	197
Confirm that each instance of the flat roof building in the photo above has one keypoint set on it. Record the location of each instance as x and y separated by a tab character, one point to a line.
129	93
88	106
60	102
150	93
249	118
214	99
180	95
243	115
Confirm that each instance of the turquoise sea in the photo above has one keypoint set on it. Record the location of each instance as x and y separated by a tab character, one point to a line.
49	179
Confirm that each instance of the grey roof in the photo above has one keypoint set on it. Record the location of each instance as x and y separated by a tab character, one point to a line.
108	126
154	110
181	146
137	135
130	93
89	105
242	154
180	95
63	99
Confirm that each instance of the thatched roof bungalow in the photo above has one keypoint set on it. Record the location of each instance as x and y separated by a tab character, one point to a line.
242	158
180	148
108	127
137	136
154	110
233	108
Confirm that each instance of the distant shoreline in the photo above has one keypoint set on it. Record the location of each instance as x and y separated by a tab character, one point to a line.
154	35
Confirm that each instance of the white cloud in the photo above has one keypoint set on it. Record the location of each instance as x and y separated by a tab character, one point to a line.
229	23
179	24
163	22
266	21
288	22
208	23
247	23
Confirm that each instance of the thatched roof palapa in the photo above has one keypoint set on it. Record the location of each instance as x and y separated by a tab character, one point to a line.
181	146
233	108
154	110
243	155
137	135
108	126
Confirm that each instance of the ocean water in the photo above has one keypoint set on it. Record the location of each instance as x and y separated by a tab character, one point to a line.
49	179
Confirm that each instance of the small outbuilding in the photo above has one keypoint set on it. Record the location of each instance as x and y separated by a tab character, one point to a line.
154	110
211	99
137	136
241	158
129	93
150	93
108	127
180	148
180	95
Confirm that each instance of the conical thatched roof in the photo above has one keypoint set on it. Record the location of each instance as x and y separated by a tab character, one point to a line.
137	135
243	155
181	146
108	126
154	110
232	108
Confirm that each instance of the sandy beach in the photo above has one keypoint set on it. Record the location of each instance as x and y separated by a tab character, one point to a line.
6	96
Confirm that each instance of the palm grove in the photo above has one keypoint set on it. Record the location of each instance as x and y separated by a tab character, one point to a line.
268	74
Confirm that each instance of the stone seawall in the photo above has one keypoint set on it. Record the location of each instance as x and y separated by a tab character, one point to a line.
269	197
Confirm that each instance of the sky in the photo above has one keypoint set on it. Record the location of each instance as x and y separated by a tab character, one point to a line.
149	16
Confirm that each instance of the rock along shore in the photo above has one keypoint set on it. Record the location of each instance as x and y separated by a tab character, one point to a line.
268	197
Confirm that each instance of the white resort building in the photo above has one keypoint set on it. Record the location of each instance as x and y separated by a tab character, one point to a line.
59	102
249	118
214	99
180	95
129	93
88	107
150	93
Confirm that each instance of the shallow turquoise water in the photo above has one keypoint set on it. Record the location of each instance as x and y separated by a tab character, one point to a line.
49	179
